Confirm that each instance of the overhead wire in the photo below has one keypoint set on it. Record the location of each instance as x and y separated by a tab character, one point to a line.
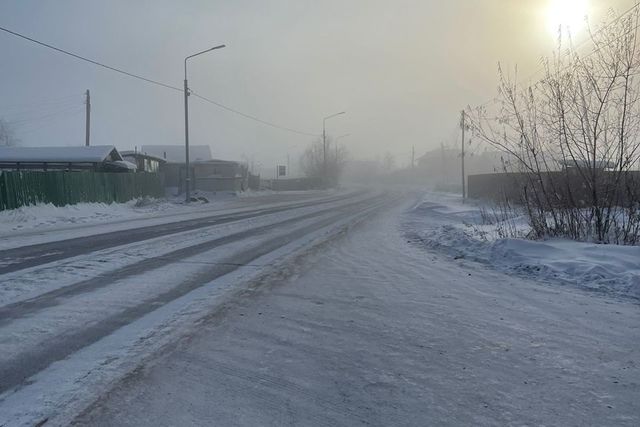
248	116
46	121
46	115
154	82
26	115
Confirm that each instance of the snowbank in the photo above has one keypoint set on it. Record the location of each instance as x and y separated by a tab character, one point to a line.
442	222
45	216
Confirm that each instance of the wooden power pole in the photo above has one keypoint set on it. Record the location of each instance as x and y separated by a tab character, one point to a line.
88	119
464	184
413	156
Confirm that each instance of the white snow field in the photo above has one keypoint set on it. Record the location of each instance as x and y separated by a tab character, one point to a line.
334	314
442	221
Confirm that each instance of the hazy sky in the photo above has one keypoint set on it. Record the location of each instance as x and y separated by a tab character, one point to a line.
402	69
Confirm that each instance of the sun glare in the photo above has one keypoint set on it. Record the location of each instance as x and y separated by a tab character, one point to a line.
568	15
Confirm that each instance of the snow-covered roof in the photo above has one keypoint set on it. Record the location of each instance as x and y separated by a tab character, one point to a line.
138	154
82	154
586	164
175	153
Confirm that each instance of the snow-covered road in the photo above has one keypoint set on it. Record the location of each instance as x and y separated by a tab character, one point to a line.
77	314
375	329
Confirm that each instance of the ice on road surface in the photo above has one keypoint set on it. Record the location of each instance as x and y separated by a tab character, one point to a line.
73	326
374	329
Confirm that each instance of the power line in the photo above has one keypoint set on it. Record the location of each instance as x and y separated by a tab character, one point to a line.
155	82
46	121
53	102
248	116
36	111
82	58
46	115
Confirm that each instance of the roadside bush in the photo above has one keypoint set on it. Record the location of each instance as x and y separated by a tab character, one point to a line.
573	137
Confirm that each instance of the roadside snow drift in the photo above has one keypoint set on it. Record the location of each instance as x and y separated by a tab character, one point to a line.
442	222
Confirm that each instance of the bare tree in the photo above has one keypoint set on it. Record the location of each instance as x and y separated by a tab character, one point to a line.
313	164
388	161
7	134
574	137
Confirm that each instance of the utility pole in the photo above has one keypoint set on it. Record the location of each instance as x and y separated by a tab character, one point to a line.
413	156
288	166
324	152
324	145
464	184
88	119
187	166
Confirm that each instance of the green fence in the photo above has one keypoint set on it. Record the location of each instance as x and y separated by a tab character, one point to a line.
65	188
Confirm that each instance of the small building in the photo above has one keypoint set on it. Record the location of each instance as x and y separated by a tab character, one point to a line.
144	162
97	158
220	175
207	174
212	175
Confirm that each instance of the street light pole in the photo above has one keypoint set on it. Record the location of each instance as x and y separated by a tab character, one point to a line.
186	122
324	143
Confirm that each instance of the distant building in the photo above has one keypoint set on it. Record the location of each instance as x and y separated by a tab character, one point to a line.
176	153
99	158
220	175
207	174
580	164
212	175
144	162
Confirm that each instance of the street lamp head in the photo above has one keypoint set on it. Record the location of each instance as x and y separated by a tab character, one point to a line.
204	51
334	115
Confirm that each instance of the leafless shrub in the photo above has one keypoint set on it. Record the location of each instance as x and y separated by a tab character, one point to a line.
573	138
327	163
503	219
7	134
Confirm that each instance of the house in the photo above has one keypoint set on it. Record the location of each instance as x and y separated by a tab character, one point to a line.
144	162
98	158
207	174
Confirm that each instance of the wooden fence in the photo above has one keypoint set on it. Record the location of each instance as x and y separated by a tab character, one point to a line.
61	188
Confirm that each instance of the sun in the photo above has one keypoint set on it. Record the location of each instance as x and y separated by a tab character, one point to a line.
567	15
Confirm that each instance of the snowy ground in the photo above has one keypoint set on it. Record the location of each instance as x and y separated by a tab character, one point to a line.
46	216
369	308
31	225
442	222
373	330
70	327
